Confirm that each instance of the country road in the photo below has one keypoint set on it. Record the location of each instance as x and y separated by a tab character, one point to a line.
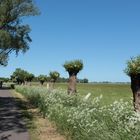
12	126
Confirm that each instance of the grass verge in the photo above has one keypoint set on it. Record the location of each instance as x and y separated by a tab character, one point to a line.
38	127
85	118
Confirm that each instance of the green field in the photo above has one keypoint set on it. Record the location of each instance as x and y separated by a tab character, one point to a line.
110	92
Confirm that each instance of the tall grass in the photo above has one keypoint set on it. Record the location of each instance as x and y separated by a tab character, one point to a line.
85	118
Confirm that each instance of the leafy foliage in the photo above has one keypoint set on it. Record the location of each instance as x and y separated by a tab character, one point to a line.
29	77
20	76
73	67
133	66
85	80
3	59
4	79
42	78
14	36
54	75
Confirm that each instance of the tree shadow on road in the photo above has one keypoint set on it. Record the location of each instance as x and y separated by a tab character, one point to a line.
5	88
13	116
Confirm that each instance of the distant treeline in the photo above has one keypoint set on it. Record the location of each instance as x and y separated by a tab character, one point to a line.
63	80
108	82
59	80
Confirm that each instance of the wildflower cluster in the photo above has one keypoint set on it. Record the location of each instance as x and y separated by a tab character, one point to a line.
84	118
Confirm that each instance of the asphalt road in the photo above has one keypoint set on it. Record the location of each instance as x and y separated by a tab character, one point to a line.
12	126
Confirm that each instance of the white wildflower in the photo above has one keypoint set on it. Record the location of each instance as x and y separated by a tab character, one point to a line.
87	96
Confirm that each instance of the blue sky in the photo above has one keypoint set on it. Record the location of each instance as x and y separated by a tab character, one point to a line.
103	33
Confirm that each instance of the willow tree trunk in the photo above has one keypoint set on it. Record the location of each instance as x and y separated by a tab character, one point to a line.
72	84
51	85
135	86
41	82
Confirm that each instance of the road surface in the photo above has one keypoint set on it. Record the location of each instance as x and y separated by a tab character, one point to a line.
12	126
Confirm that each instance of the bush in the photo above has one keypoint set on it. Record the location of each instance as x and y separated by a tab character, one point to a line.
85	119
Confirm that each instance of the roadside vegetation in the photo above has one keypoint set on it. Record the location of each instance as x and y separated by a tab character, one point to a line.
85	117
38	127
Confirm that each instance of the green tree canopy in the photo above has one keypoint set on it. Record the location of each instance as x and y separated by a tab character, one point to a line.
133	66
54	75
73	67
4	79
29	77
42	78
14	36
19	76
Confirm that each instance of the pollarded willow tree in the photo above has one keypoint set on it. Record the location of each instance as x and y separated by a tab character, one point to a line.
42	79
14	36
29	77
133	71
73	68
54	75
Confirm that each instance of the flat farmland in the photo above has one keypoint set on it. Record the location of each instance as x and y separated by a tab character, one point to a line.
110	92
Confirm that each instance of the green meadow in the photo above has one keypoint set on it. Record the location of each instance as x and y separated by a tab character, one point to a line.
110	92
